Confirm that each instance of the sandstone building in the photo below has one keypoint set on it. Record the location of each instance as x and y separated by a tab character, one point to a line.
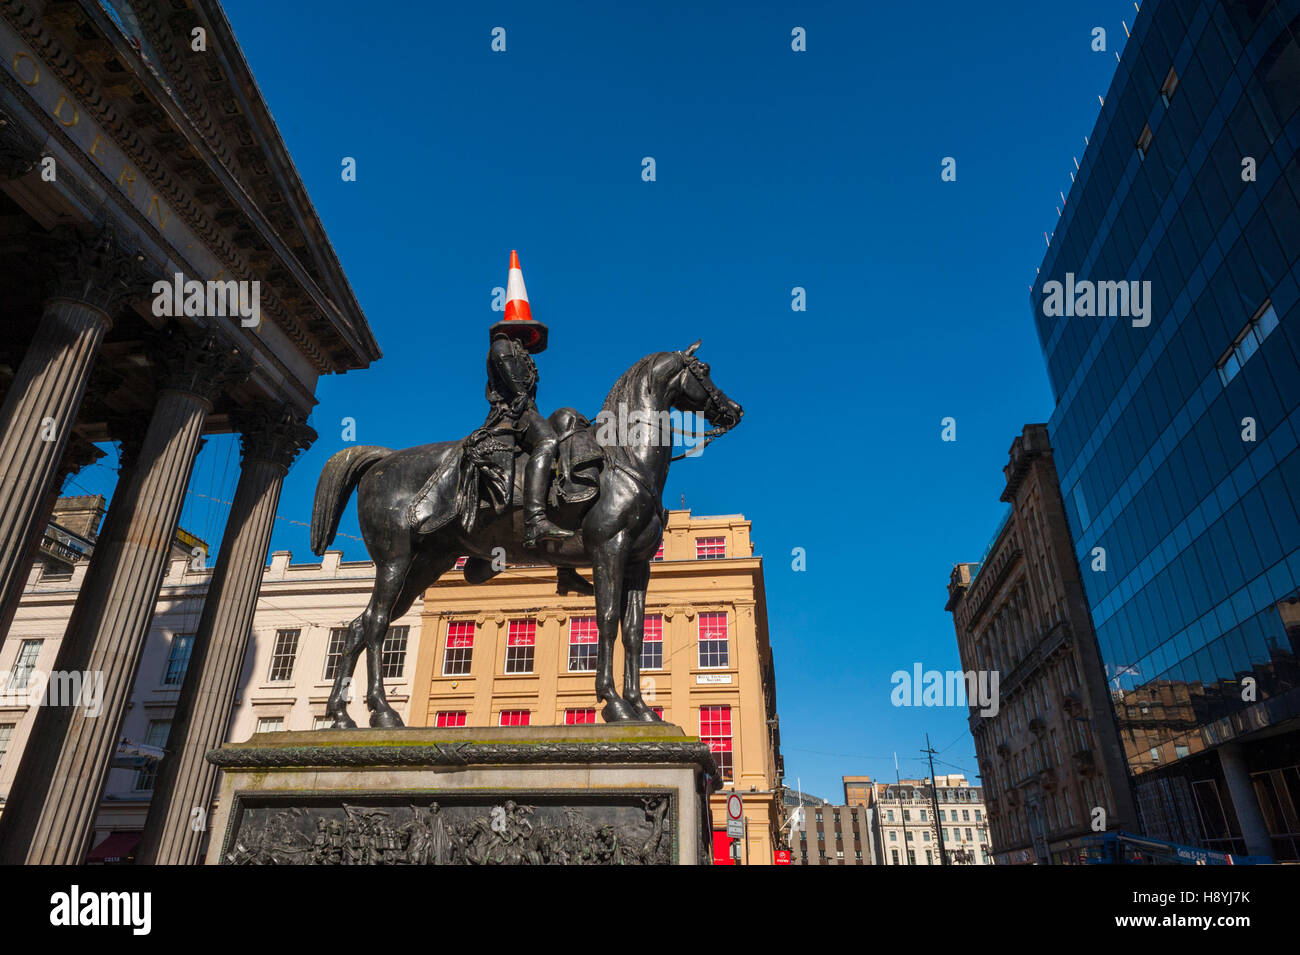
512	652
1050	756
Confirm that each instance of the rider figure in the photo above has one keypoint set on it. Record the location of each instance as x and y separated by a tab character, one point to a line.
511	391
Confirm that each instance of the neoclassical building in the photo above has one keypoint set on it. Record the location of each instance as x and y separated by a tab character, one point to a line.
285	674
136	154
909	829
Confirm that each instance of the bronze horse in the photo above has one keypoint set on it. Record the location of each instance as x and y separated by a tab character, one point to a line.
618	529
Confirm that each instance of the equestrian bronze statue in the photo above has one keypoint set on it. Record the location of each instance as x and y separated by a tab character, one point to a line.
487	498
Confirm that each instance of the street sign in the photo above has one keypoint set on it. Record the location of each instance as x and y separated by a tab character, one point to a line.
735	816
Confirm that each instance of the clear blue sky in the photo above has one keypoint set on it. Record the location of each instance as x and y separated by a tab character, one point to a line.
775	169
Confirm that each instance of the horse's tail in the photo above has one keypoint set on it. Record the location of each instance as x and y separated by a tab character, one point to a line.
337	481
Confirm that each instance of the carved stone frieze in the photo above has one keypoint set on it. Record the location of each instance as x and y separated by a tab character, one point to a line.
582	828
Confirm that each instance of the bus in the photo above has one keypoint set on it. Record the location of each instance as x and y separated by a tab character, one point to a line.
1124	848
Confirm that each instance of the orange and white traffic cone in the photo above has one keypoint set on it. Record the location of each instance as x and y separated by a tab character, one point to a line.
518	320
517	309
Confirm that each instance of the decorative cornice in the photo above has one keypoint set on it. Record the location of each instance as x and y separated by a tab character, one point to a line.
467	754
274	433
32	26
182	82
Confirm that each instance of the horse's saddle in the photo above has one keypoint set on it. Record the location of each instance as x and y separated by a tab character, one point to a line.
578	461
485	475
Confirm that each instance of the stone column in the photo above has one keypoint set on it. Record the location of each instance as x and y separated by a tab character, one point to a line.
78	455
91	277
186	781
51	811
1253	828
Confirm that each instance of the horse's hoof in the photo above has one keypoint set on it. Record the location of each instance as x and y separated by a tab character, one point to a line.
616	711
342	722
385	719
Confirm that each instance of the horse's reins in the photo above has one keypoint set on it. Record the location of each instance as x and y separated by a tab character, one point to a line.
714	402
708	437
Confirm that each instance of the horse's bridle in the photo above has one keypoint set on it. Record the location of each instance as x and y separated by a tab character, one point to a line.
714	404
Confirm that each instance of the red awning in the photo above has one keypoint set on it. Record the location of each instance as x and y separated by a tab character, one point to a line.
115	848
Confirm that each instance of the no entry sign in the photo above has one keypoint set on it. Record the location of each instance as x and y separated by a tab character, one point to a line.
735	816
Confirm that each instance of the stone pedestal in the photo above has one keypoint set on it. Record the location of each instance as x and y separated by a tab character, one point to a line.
595	795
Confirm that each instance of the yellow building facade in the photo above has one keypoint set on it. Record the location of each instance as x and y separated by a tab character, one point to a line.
513	652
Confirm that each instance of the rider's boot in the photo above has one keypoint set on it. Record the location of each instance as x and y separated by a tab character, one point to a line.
536	481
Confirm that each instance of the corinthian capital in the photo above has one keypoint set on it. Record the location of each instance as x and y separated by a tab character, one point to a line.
95	267
271	432
201	362
19	149
79	453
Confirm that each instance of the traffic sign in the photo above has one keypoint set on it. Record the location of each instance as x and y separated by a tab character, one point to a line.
735	816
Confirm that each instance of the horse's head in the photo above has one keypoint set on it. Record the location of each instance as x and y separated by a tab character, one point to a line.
695	391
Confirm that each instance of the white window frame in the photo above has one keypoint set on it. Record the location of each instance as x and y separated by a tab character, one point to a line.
277	654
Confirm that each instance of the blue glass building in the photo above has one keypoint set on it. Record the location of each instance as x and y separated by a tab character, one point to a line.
1178	413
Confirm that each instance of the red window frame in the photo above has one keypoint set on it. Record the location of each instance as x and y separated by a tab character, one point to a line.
583	633
515	718
713	631
710	548
715	729
659	554
652	632
576	716
458	655
450	718
522	633
521	638
460	633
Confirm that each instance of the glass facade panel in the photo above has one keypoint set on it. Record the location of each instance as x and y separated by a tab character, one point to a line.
1175	429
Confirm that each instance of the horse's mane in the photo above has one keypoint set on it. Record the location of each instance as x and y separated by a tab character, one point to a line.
631	381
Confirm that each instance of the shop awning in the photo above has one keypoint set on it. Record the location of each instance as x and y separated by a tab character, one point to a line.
116	848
